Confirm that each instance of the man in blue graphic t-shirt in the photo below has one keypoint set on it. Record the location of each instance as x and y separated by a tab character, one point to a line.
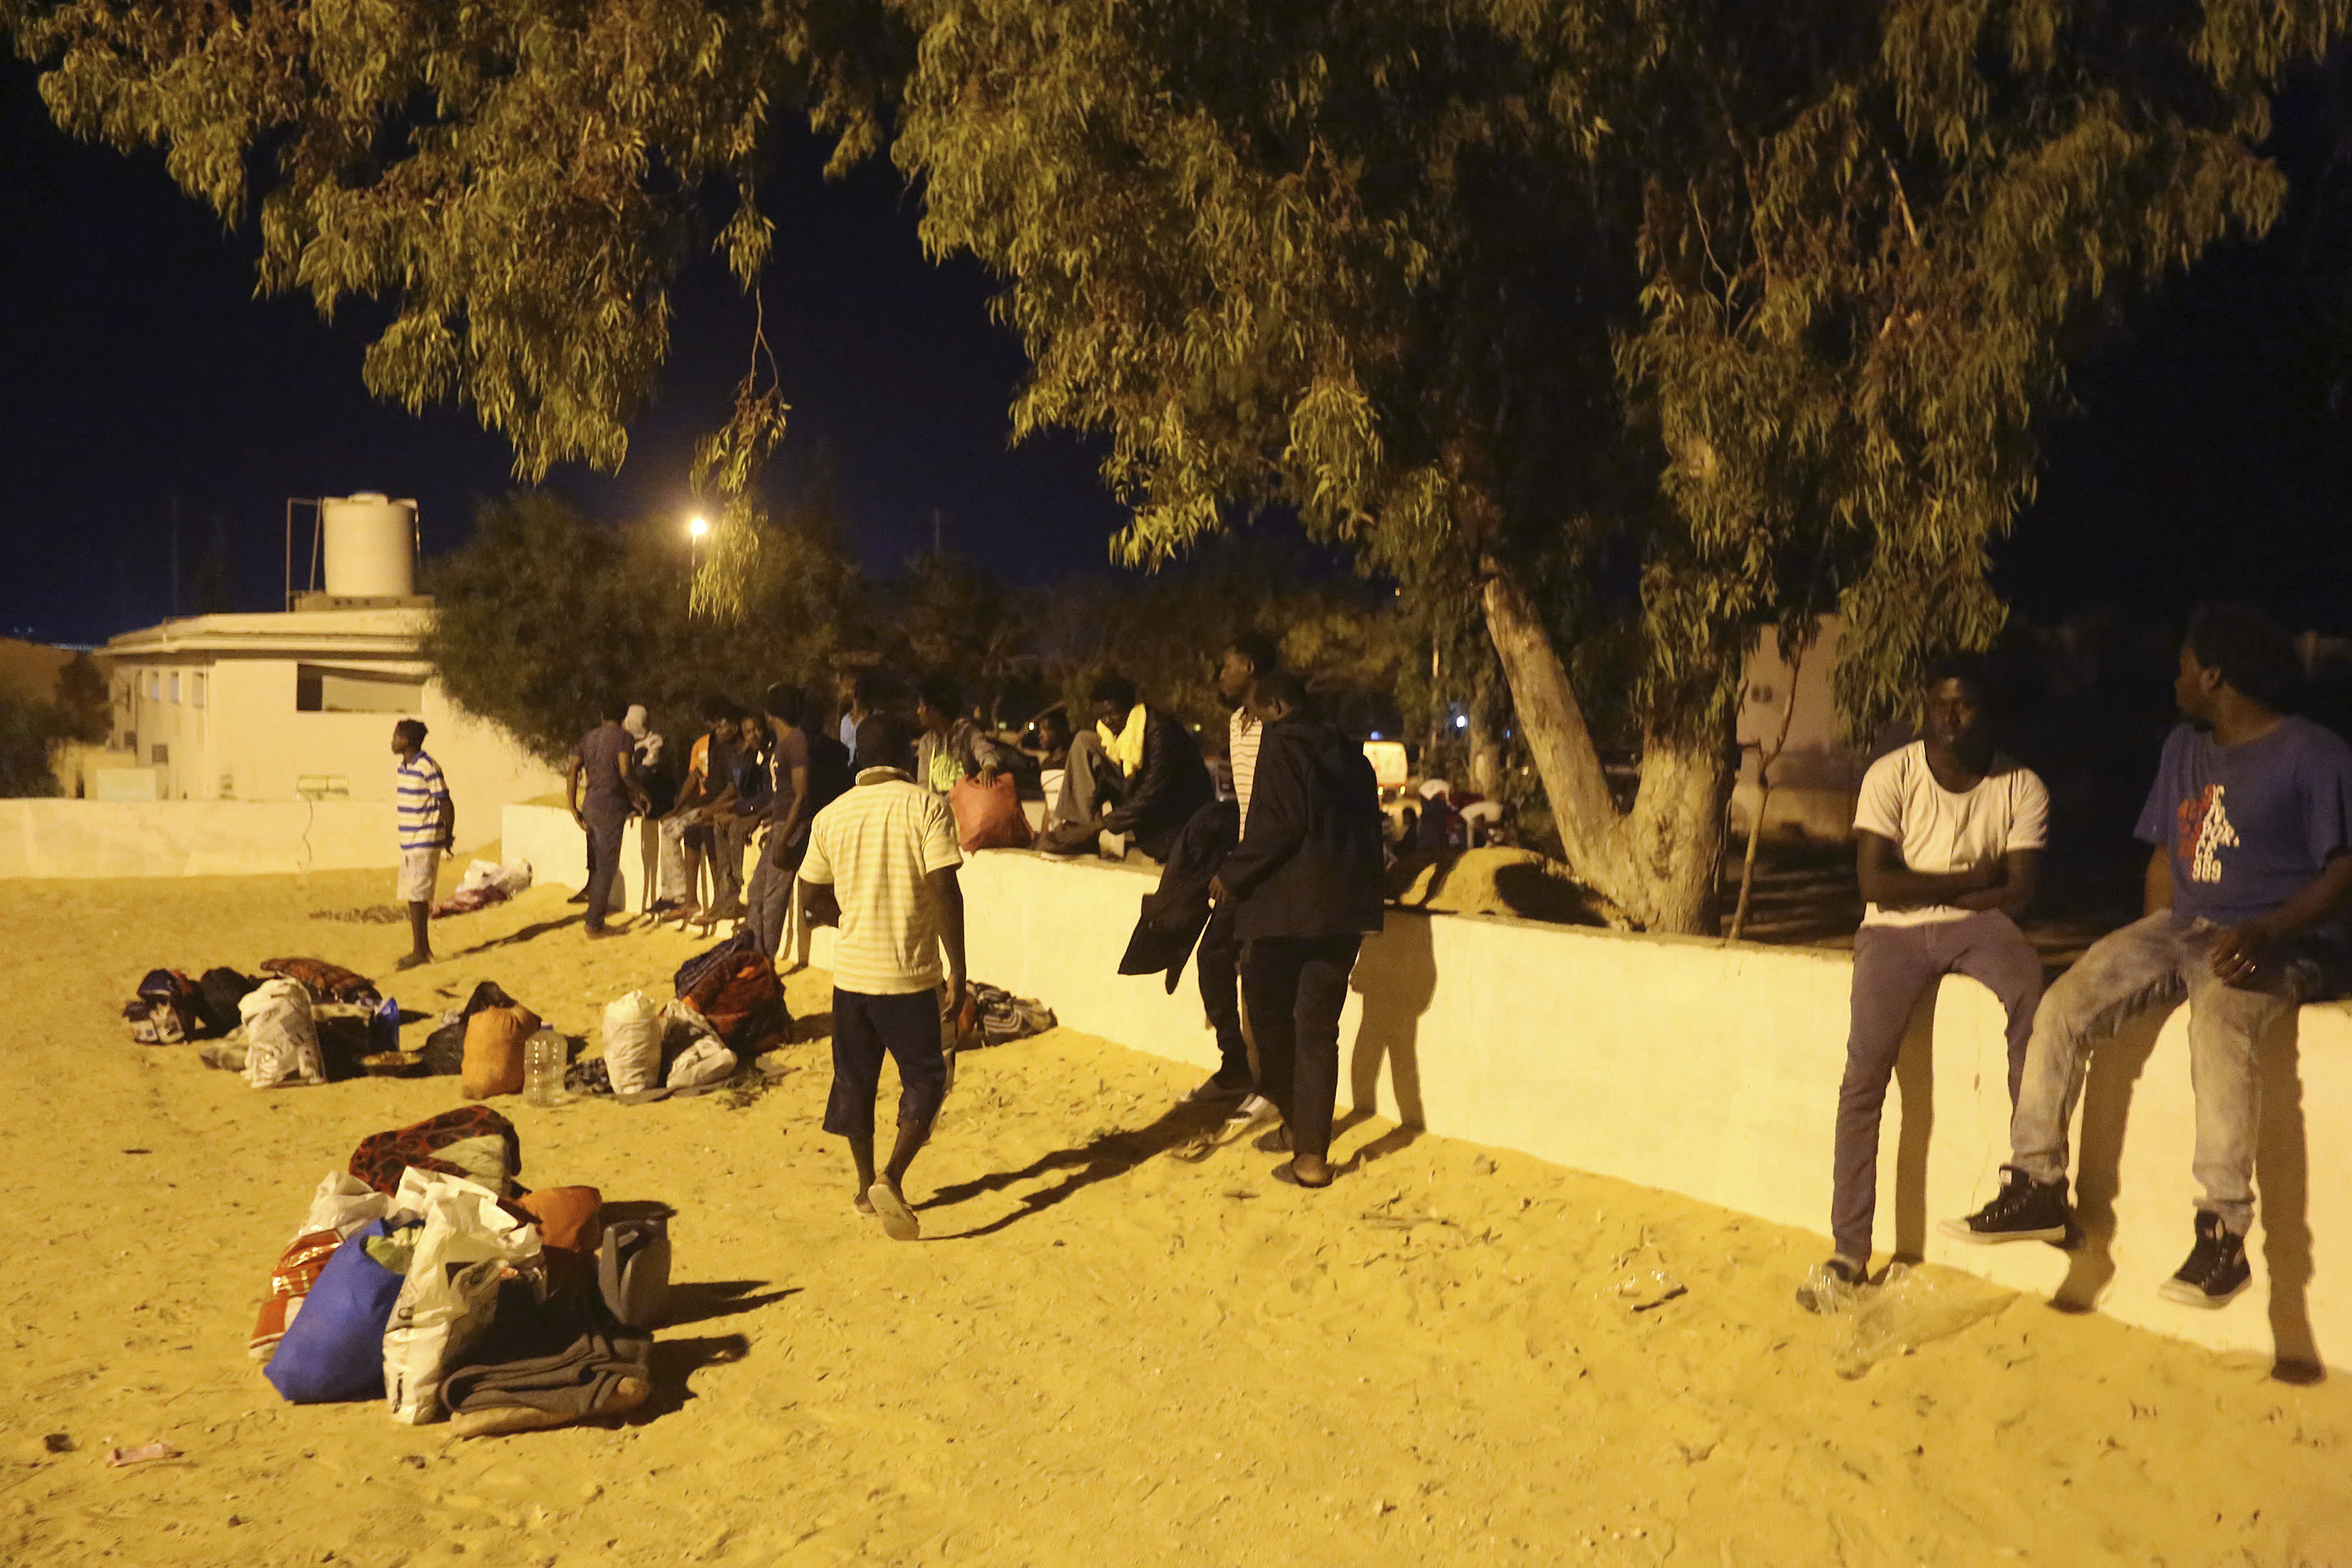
2251	824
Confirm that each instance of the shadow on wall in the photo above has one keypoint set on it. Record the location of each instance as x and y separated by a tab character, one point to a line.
2282	1172
1396	975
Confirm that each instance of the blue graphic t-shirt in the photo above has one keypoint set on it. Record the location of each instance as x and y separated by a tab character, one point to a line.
2247	826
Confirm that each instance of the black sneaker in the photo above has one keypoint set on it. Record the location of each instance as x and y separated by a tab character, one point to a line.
1832	1287
2217	1269
2026	1210
1217	1091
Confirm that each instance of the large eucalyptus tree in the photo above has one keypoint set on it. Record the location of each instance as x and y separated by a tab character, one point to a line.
1678	318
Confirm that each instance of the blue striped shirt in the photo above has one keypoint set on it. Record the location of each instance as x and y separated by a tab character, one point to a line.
418	786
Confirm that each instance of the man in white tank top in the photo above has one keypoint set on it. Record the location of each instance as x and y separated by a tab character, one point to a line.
1948	836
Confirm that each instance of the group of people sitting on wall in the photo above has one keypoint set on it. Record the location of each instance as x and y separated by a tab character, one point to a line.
1272	876
2248	880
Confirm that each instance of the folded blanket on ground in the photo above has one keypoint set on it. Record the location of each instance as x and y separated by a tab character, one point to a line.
325	982
465	901
473	1142
562	1355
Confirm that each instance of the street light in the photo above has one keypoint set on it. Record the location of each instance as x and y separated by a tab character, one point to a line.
696	527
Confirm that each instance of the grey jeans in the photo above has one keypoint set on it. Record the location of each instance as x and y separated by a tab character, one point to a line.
775	907
1892	965
2154	962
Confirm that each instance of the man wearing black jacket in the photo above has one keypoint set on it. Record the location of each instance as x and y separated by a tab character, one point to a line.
1304	884
1137	771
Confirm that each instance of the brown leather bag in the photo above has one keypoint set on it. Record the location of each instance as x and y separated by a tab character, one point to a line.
494	1038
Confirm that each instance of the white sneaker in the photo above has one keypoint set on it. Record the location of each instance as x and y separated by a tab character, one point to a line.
1256	1109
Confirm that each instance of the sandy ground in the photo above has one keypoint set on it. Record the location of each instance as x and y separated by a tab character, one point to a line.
1118	1343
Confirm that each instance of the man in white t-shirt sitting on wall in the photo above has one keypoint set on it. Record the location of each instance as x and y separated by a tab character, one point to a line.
1948	836
882	860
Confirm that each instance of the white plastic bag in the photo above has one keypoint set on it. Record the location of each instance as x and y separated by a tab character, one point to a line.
344	1204
483	875
281	1038
452	1288
632	1040
705	1061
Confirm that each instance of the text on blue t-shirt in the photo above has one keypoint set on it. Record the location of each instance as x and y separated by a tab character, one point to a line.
2247	826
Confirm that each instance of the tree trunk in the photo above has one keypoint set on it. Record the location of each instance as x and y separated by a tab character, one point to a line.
1676	832
1486	746
1658	861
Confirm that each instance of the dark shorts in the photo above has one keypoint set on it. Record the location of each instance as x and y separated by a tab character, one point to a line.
865	1029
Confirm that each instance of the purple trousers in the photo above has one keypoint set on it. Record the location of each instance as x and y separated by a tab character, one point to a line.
1892	965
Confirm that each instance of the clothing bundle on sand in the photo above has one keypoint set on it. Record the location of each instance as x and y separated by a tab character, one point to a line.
442	1296
999	1015
549	1362
472	1142
734	986
170	1008
486	882
730	1007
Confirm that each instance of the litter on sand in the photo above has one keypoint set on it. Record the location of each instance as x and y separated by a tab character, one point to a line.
1910	1308
118	1457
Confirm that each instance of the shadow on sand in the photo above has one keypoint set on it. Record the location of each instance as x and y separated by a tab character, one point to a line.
2282	1173
701	1300
1111	1154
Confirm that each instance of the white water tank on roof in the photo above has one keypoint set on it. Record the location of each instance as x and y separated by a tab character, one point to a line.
371	546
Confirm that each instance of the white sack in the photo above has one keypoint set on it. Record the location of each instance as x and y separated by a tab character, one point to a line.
281	1040
452	1289
482	875
705	1061
633	1038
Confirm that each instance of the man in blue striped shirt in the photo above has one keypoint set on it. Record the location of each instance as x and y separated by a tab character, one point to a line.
428	825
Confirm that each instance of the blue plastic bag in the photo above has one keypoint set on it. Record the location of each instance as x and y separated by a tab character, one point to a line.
384	1026
334	1348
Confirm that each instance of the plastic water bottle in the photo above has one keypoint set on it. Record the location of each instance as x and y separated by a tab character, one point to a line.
542	1068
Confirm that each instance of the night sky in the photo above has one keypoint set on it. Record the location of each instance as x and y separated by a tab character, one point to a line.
2211	457
139	365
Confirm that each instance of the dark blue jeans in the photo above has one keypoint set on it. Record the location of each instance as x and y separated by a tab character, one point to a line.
865	1029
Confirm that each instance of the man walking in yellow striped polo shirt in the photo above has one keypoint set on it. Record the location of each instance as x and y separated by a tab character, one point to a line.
882	862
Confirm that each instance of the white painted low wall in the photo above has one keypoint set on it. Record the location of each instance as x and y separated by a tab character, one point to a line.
1713	1071
76	838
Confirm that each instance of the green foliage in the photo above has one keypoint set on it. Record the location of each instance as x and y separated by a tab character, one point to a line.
520	182
85	708
1166	633
1741	313
30	730
543	617
1695	317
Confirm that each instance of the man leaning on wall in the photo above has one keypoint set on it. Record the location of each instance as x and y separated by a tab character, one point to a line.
1949	835
2247	885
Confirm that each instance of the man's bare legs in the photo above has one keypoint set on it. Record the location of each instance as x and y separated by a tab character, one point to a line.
912	1135
420	945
